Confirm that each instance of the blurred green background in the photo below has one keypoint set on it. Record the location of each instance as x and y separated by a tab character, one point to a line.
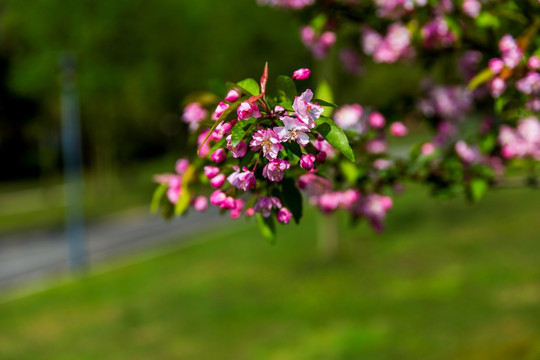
445	281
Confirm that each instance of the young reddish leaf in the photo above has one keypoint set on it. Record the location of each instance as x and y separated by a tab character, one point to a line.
264	79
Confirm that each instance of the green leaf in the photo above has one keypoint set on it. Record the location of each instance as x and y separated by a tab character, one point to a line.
480	78
286	88
294	153
239	130
324	91
487	20
157	196
267	227
183	202
335	136
324	103
478	188
292	198
350	171
250	85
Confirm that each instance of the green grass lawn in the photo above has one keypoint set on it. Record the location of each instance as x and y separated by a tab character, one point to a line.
445	281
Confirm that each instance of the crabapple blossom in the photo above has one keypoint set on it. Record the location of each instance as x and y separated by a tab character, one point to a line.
497	86
232	95
306	162
533	63
200	203
193	114
175	188
348	117
217	197
305	110
219	155
265	205
294	130
530	84
268	141
237	151
211	171
244	180
427	149
284	215
220	109
398	129
467	153
471	7
496	65
275	169
376	120
246	111
301	74
181	165
217	181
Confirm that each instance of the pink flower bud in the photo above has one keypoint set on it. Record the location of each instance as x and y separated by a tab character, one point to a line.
220	109
217	181
398	129
308	35
376	120
250	211
200	203
232	96
386	202
496	65
219	155
534	62
427	149
376	146
306	162
321	157
217	197
228	203
181	166
471	7
301	74
328	38
497	87
211	171
284	215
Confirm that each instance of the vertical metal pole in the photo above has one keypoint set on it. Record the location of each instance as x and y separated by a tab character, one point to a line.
71	150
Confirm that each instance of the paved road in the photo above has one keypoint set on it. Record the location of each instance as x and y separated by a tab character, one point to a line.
38	255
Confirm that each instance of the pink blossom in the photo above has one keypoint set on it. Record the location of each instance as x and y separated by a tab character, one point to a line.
219	155
467	153
376	120
246	111
324	146
398	129
375	208
275	169
427	149
220	109
496	65
321	157
175	188
284	215
211	171
308	35
306	162
533	105
232	96
238	207
217	181
394	46
200	203
511	53
437	34
497	86
294	130
382	164
268	141
217	197
193	114
221	130
228	203
371	40
376	146
348	117
244	180
471	8
301	74
205	149
237	151
265	205
313	184
250	212
307	112
534	62
530	84
181	165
